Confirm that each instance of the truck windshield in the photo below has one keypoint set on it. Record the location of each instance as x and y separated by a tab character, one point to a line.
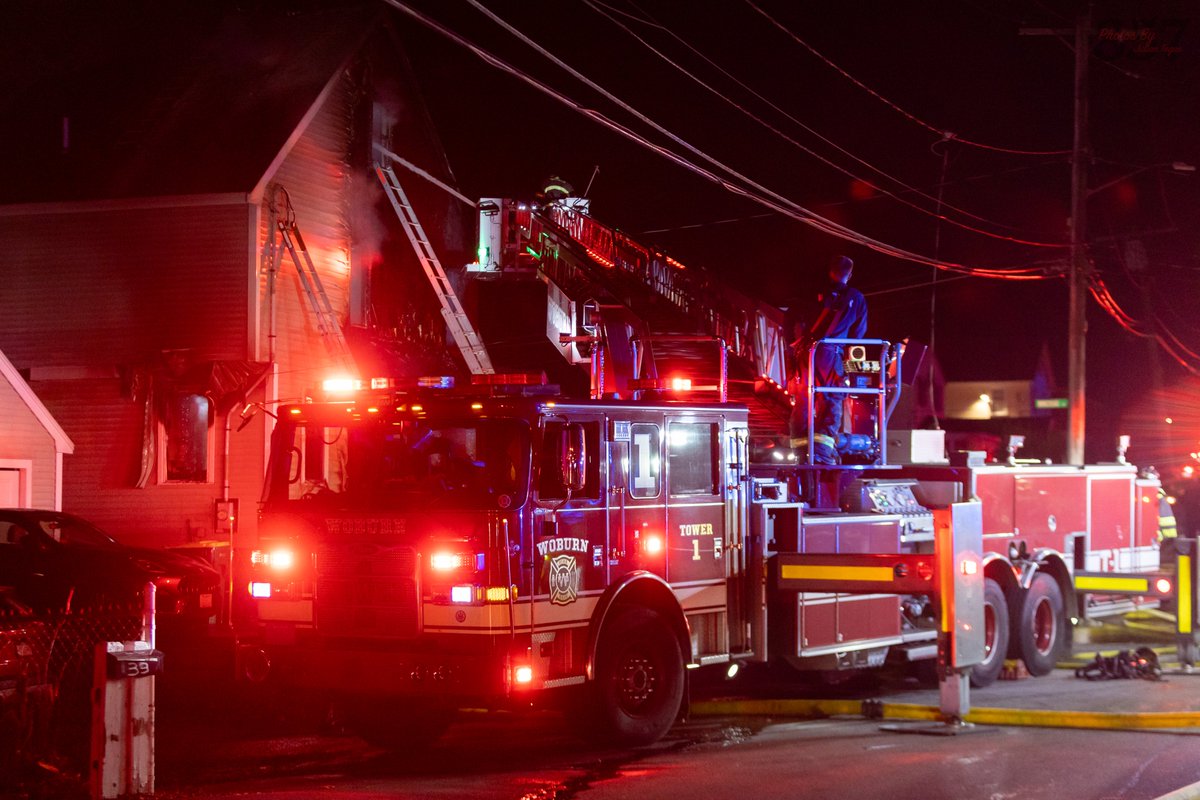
389	463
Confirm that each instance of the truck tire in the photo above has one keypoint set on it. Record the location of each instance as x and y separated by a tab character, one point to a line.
639	678
1042	629
995	631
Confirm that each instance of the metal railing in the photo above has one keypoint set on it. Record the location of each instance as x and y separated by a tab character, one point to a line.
752	331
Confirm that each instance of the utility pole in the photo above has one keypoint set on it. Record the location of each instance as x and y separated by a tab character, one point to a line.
1078	270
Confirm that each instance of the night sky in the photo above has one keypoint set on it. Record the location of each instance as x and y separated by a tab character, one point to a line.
959	66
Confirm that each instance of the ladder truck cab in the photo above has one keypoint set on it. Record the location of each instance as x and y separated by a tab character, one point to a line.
430	549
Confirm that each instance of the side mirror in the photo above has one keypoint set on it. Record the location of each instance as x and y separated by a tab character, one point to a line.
572	457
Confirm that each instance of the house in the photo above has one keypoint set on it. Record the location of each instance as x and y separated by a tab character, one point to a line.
159	147
32	446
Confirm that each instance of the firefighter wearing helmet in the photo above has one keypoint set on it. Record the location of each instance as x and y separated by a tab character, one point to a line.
837	312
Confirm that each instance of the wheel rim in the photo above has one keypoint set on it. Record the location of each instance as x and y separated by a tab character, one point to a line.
637	681
989	632
1045	627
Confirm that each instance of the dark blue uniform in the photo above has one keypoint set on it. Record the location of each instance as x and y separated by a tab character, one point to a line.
840	312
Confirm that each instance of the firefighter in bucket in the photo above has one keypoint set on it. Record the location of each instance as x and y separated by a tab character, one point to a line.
837	312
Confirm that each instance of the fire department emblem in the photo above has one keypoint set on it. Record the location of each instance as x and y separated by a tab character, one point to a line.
564	580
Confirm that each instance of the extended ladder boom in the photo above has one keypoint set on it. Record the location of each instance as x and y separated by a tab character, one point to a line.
469	343
753	331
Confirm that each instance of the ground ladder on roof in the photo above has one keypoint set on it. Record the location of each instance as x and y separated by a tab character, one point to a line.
465	336
285	236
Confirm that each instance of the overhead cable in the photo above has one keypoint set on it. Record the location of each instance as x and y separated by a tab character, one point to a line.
942	132
600	8
757	192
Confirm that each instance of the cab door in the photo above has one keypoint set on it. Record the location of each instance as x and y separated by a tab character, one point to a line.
570	533
695	531
636	495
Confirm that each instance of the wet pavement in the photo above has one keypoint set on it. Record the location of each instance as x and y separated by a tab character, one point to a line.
540	757
252	746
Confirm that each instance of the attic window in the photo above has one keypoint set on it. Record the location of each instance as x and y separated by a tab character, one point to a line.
185	443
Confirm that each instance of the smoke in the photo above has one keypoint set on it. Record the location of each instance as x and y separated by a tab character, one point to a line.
368	228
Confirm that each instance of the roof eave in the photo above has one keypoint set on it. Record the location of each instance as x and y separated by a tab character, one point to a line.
62	442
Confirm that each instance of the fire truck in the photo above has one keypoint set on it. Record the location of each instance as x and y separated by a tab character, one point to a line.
426	547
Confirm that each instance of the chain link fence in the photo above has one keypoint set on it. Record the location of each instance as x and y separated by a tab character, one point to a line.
47	662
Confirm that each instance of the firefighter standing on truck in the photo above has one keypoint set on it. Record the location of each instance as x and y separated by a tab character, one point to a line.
839	312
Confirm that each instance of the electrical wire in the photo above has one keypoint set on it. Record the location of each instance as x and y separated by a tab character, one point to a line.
835	203
709	223
596	6
752	190
1168	341
943	133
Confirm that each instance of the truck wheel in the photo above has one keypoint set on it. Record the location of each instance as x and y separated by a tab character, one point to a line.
995	635
639	678
1042	631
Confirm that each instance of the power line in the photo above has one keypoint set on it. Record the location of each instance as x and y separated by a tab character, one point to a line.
945	134
710	223
768	199
751	189
596	6
832	204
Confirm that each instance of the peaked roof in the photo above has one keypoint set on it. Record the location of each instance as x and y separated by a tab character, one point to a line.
128	99
62	442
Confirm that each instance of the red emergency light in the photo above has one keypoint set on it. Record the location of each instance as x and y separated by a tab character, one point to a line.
510	379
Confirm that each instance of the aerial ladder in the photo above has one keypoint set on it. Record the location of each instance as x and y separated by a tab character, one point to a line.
284	236
647	291
466	338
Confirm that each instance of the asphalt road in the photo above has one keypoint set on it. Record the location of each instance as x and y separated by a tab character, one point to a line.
539	757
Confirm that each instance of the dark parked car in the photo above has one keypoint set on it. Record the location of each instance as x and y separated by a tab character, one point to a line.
56	561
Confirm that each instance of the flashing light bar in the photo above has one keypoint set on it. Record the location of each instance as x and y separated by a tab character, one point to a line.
446	561
471	594
341	385
677	384
510	379
280	558
436	382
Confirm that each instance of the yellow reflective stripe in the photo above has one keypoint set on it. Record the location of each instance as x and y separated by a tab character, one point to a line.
1183	614
804	572
1085	582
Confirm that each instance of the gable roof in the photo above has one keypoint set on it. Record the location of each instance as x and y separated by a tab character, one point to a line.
62	442
127	99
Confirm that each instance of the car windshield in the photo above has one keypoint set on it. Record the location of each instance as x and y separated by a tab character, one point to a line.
390	463
71	531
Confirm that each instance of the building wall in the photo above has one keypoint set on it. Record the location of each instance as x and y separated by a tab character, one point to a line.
93	296
316	177
95	292
115	286
26	444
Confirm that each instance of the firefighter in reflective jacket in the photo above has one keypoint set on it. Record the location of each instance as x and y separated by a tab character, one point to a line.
1167	528
839	312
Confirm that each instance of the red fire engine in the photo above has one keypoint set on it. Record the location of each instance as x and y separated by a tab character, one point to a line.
429	548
